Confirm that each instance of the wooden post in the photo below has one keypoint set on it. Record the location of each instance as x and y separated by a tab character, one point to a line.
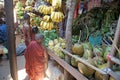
115	42
68	35
11	38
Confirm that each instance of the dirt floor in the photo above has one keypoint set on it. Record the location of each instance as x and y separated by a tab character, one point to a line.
5	68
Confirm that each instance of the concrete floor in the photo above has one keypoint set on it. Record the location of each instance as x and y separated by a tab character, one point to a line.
5	67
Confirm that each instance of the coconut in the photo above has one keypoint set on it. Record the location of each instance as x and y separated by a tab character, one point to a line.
88	54
98	60
99	76
85	70
87	46
61	55
98	51
78	49
74	62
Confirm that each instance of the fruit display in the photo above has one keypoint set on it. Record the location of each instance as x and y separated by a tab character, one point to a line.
46	25
45	9
78	49
49	35
46	18
19	7
55	44
57	16
51	14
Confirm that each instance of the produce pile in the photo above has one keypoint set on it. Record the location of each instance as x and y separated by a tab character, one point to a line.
100	21
51	14
96	56
55	45
19	9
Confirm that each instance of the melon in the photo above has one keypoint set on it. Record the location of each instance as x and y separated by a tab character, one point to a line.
78	49
98	60
85	70
99	76
98	51
88	54
87	46
74	62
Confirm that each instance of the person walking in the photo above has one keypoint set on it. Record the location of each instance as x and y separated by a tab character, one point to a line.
36	58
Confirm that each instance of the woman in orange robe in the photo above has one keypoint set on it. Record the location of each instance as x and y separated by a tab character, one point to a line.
35	56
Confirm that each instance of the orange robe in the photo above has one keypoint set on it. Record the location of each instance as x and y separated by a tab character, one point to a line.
34	56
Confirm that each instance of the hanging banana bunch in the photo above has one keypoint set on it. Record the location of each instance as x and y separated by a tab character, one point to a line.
45	9
46	18
46	25
57	16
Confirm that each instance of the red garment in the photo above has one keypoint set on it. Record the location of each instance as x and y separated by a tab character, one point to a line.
27	33
34	56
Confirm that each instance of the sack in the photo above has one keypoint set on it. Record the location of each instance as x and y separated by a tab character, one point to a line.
35	29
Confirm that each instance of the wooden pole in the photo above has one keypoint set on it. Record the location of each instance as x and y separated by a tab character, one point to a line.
68	36
11	38
115	43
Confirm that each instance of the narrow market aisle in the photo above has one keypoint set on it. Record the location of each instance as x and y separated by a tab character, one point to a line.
5	67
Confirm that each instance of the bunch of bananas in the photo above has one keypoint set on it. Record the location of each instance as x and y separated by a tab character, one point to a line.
46	18
46	25
28	8
57	16
45	9
57	3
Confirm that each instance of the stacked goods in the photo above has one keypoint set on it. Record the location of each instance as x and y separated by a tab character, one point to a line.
49	35
93	55
55	44
52	15
47	25
57	16
45	9
19	9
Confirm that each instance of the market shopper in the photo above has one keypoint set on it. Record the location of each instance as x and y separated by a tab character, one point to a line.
36	58
27	30
3	35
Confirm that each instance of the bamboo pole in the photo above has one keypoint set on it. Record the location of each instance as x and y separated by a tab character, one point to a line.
115	43
11	38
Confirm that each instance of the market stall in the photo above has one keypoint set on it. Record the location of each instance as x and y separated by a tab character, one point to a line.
91	37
